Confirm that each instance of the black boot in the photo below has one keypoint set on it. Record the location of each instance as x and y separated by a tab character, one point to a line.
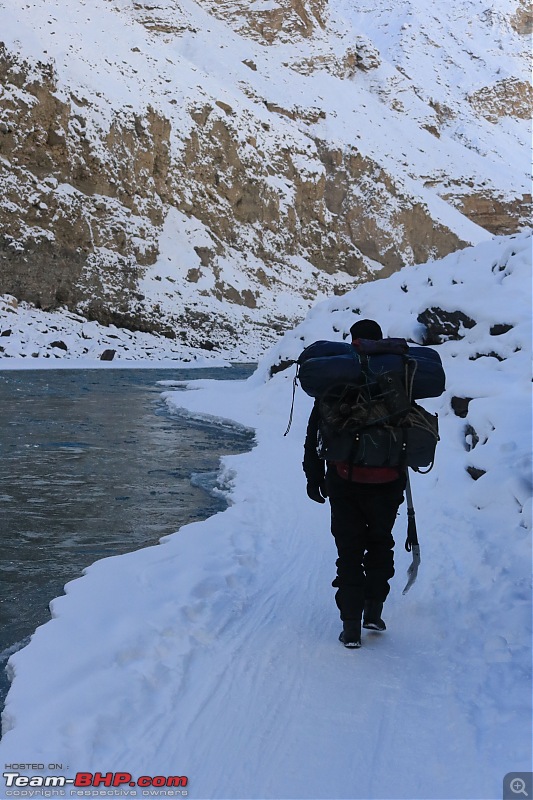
350	635
372	616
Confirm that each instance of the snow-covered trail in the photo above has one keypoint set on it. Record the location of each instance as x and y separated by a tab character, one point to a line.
287	710
220	660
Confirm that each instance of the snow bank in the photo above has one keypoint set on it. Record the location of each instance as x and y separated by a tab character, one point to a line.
215	654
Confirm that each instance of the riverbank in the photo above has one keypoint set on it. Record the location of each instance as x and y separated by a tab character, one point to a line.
93	465
31	335
8	364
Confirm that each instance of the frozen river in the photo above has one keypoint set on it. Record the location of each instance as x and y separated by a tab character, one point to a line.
93	465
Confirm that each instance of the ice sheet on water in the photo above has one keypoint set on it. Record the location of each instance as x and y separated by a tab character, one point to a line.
209	419
217	484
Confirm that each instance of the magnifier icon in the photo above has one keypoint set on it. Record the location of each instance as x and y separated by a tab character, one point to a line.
518	786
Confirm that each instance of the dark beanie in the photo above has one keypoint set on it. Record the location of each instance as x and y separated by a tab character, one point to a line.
366	329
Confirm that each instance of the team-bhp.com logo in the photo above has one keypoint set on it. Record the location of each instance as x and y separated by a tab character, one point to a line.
18	783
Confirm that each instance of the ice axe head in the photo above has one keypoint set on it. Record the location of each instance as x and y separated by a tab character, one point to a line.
412	572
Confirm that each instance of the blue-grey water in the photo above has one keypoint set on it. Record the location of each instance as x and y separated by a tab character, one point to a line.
92	464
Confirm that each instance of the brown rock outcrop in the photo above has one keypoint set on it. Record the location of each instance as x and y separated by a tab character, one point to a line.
522	19
268	22
506	98
499	215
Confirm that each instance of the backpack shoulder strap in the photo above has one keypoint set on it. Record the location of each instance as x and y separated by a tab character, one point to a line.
294	385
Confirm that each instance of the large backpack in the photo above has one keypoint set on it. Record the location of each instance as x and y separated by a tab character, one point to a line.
365	393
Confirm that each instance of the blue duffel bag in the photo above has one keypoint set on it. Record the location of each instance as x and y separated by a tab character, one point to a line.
325	364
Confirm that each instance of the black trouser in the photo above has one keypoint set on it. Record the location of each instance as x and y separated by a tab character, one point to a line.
362	518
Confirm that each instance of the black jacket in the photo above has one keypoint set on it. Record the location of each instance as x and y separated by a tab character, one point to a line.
314	467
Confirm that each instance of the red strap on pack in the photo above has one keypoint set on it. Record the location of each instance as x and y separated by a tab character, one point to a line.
366	474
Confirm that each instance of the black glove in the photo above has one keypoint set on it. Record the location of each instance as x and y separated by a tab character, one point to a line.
317	491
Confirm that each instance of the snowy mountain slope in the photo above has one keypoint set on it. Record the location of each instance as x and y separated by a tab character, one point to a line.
183	165
215	654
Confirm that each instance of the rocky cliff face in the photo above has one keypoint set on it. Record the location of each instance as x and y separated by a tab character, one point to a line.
229	162
78	222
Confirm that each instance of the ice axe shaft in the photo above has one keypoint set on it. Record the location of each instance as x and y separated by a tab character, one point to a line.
411	543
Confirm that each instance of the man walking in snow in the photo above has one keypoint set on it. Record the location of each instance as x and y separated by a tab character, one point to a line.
364	503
